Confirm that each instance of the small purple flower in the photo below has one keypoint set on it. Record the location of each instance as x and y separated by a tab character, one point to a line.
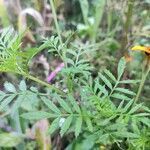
54	73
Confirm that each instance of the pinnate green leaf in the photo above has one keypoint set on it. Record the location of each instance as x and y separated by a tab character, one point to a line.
120	96
126	91
74	103
110	75
66	125
78	126
121	67
129	81
22	86
63	104
38	115
54	125
9	87
50	105
135	108
105	80
6	102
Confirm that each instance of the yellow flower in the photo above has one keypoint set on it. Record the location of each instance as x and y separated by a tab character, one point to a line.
141	48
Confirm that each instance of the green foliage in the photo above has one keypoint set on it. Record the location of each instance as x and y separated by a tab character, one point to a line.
74	58
98	113
24	98
10	139
86	106
97	110
12	58
66	113
85	10
91	22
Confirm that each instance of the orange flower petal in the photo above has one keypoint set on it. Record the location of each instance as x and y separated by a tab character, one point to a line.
141	48
128	58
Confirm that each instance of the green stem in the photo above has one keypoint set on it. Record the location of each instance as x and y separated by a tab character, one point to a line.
127	24
63	55
55	20
99	10
45	84
129	15
144	75
117	82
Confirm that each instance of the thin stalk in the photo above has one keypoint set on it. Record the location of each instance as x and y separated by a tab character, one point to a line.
98	17
127	24
117	82
63	56
45	84
144	76
55	20
129	15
